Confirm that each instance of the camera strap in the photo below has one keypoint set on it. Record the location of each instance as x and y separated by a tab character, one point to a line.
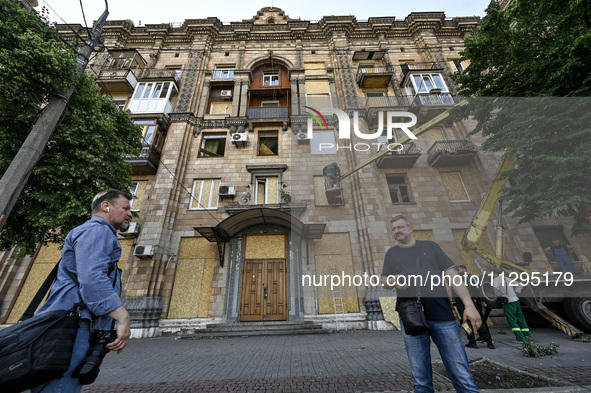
418	265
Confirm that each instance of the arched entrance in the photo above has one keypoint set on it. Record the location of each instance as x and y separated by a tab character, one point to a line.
264	254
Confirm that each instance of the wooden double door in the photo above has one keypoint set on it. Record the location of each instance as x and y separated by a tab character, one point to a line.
264	292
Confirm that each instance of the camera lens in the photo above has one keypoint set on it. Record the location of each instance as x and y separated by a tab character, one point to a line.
89	369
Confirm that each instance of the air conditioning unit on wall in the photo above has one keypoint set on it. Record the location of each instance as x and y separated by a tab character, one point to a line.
240	139
227	191
144	251
226	94
132	231
303	138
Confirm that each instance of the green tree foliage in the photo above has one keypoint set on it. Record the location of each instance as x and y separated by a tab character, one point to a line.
85	153
539	50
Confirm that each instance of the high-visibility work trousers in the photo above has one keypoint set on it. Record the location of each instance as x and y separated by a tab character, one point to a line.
516	320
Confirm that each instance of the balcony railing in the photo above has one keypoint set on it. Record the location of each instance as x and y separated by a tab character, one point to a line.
406	68
377	75
255	112
162	75
404	157
146	162
450	153
388	102
437	99
118	80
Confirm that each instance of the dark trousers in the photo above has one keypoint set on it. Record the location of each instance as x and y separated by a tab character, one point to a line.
483	332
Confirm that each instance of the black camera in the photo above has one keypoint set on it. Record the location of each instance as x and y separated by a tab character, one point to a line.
89	369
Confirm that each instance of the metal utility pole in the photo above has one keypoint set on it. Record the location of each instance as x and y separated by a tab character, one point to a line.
14	179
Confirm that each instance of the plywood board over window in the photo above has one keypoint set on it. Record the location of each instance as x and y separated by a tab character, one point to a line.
334	250
454	185
191	292
42	266
315	68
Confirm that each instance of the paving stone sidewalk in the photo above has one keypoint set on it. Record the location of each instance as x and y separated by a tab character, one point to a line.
357	361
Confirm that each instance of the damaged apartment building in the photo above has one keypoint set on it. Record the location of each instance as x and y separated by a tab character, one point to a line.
239	189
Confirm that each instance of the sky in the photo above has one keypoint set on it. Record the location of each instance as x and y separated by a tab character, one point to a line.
170	11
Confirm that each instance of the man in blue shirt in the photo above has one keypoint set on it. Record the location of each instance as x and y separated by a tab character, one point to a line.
90	253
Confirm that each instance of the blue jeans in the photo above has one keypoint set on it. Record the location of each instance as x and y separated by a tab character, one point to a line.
566	263
67	384
447	337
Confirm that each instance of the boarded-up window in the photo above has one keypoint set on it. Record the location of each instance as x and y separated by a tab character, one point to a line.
205	194
433	135
138	191
268	143
220	108
315	68
318	101
454	185
266	190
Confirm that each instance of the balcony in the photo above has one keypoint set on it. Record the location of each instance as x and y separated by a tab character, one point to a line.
146	163
118	81
156	105
377	76
417	67
451	153
277	112
119	72
388	102
433	100
404	158
170	75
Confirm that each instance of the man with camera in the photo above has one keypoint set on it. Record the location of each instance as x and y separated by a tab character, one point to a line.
88	274
407	267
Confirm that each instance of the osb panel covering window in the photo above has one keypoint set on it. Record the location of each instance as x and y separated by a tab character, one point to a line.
205	194
454	186
433	135
315	68
317	86
139	201
320	192
45	261
126	247
221	108
265	247
334	250
267	191
193	280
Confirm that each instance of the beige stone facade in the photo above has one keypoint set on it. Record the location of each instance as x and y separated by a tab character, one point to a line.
227	159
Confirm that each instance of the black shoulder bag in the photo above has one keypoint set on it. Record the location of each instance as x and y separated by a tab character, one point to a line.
39	348
411	312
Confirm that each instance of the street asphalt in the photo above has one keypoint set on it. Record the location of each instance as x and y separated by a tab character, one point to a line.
354	361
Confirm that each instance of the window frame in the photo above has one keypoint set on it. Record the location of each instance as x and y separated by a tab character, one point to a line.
269	78
392	185
212	135
214	190
267	134
224	72
463	185
265	180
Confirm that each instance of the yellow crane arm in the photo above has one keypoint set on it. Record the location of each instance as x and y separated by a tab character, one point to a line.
487	207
